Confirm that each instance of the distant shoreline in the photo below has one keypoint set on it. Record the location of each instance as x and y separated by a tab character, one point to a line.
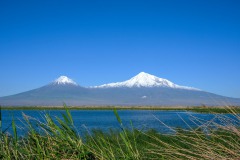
201	109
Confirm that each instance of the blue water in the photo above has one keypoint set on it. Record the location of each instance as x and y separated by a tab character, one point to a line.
105	119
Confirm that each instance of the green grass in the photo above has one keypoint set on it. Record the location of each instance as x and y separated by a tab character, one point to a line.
59	139
200	109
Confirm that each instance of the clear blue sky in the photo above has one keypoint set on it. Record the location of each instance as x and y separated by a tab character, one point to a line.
194	43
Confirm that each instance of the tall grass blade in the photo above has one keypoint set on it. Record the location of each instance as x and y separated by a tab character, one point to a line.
69	116
117	116
14	127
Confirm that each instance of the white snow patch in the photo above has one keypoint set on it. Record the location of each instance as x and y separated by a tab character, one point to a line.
64	80
145	80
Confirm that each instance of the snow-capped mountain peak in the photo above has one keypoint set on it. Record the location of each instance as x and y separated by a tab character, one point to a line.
63	80
145	80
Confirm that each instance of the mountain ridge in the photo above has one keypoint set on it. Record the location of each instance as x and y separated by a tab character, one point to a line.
143	90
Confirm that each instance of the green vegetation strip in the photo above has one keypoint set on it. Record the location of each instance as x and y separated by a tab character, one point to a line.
200	109
57	138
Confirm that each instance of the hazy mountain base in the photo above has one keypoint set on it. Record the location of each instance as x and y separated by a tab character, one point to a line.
200	109
55	95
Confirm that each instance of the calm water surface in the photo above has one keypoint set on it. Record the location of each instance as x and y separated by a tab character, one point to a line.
105	119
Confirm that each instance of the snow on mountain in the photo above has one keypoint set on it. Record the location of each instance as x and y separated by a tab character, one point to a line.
145	80
63	80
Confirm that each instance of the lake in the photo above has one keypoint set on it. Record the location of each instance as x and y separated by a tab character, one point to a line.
105	119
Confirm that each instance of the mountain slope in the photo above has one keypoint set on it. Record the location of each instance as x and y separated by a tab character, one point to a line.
61	90
143	89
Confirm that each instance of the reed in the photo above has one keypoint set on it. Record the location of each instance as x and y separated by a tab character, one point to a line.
58	138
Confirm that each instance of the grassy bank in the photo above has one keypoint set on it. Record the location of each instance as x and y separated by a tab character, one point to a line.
59	139
200	109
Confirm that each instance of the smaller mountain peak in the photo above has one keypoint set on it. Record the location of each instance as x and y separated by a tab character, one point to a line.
64	80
